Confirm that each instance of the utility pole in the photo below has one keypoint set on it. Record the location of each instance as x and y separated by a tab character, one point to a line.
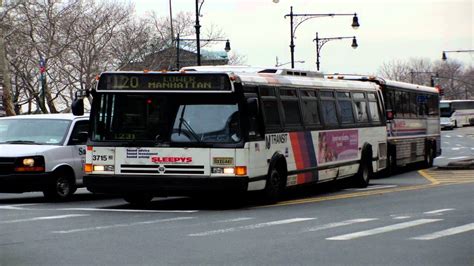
5	82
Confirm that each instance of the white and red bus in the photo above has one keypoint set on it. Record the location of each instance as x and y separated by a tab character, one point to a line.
456	113
211	129
413	121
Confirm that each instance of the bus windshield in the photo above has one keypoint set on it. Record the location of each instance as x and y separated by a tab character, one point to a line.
166	118
445	109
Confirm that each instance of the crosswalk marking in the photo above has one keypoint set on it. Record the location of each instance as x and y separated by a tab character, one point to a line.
383	229
43	218
251	227
447	232
439	211
119	225
339	224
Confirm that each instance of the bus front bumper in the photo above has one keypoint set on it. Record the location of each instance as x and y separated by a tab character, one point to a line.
19	183
164	185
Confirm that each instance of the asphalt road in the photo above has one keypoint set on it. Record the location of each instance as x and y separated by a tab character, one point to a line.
456	144
413	218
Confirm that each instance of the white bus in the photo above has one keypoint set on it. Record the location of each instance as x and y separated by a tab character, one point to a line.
215	130
456	113
412	115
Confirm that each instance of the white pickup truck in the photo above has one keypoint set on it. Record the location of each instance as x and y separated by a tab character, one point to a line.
43	153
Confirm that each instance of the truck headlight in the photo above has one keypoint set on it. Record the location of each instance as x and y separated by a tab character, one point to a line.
30	164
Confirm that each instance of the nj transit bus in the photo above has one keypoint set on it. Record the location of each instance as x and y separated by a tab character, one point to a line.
412	114
216	130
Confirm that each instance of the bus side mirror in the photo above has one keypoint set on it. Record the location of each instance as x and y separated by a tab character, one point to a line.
78	106
252	104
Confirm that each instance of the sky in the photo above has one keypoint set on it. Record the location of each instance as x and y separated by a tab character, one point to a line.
390	30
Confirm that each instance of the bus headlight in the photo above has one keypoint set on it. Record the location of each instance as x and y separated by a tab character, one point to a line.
103	168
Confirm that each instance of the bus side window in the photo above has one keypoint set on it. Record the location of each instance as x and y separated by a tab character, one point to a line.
360	107
271	110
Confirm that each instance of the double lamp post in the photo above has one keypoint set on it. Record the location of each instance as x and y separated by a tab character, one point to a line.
297	19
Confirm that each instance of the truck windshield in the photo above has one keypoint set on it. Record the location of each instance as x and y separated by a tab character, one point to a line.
165	118
33	131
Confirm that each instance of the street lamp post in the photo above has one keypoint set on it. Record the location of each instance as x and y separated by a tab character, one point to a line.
321	41
305	17
178	40
454	51
198	31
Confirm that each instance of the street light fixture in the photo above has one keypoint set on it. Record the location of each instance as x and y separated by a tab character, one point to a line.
321	41
226	48
455	51
304	17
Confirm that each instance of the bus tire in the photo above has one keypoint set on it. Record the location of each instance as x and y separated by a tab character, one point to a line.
362	178
391	162
429	154
138	199
274	186
62	187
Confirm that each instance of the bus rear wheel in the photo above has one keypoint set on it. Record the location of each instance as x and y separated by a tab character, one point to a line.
362	178
429	155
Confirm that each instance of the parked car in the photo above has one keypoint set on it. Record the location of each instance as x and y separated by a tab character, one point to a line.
43	153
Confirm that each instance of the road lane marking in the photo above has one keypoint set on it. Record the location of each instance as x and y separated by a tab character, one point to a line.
439	211
447	136
401	217
455	149
460	136
457	158
16	206
234	220
447	232
125	210
43	218
339	224
251	227
383	229
120	225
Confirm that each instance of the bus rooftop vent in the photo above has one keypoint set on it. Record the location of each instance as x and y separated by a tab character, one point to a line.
301	73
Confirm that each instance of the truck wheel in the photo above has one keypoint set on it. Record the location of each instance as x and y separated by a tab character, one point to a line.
138	199
62	187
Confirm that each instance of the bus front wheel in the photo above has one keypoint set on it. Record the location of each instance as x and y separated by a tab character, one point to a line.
274	186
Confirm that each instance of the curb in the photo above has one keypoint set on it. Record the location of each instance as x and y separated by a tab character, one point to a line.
459	165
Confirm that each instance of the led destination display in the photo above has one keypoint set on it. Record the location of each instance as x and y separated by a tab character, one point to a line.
164	81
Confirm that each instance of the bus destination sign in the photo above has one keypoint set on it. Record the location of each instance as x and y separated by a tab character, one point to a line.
164	82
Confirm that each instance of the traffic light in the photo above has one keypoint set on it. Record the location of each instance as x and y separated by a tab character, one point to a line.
440	90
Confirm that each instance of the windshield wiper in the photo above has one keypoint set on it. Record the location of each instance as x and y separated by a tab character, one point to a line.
22	142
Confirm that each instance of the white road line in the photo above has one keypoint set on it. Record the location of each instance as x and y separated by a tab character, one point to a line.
119	225
339	224
234	220
460	136
383	229
43	218
455	149
251	227
401	217
458	158
447	232
125	210
447	136
16	206
439	211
